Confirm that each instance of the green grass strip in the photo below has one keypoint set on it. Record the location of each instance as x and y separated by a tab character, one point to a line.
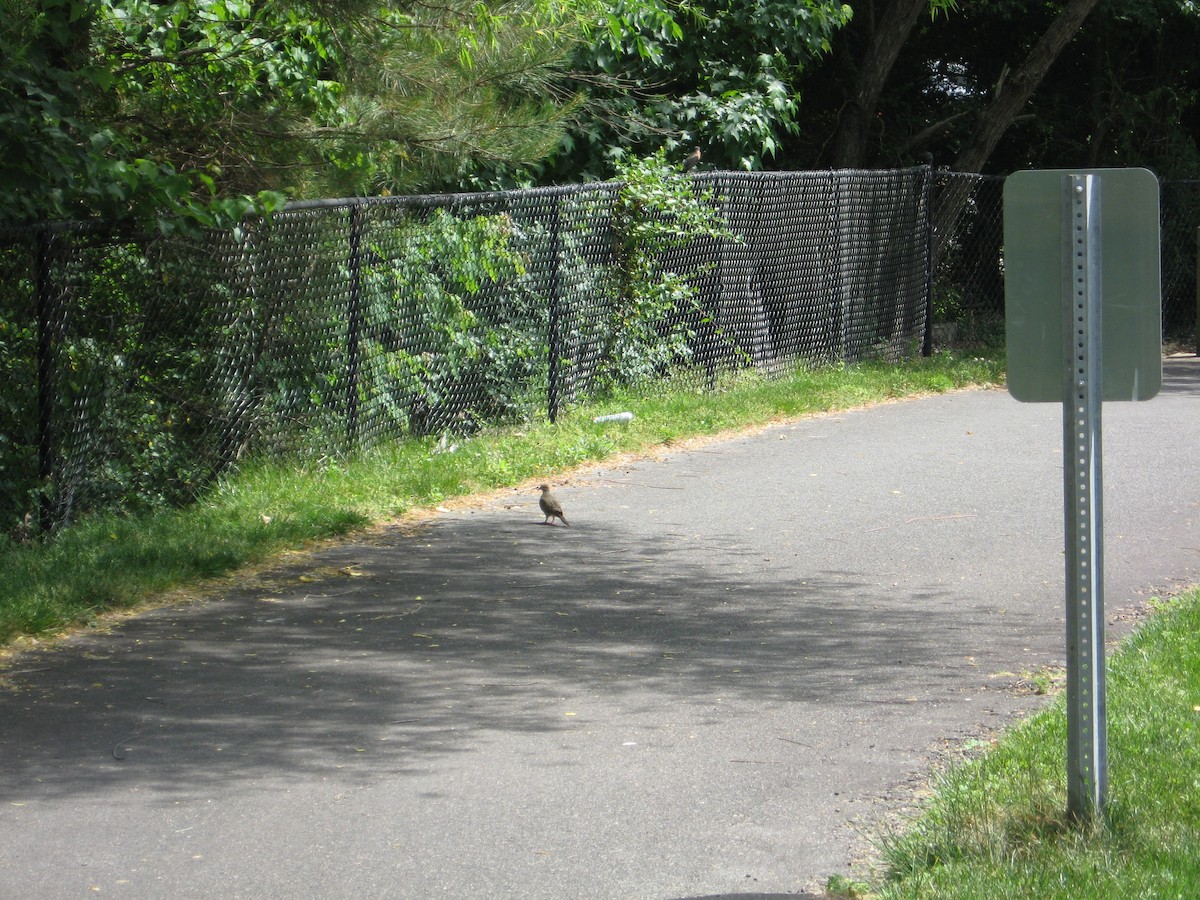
997	826
113	562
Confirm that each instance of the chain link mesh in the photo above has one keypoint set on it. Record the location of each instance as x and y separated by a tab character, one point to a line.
1180	211
968	283
968	286
137	369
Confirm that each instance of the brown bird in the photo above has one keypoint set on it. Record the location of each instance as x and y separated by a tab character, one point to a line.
551	507
692	161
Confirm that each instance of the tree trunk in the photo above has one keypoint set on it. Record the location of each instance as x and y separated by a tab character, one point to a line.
887	38
1015	92
1011	95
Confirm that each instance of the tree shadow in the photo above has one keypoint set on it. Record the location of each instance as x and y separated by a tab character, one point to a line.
386	658
1181	376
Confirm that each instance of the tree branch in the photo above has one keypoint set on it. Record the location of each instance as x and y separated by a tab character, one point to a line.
1011	95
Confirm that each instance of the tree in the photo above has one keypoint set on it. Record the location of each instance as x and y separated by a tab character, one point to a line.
1009	97
1012	91
886	35
719	74
1126	92
435	89
127	108
910	87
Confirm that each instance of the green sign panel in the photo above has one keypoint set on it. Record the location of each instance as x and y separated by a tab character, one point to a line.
1123	261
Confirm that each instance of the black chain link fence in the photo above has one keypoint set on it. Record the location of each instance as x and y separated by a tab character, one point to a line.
968	283
1180	217
968	286
135	370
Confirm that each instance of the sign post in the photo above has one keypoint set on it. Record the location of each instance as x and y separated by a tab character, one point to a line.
1083	322
1087	746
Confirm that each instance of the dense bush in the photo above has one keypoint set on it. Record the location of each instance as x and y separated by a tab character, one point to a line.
454	336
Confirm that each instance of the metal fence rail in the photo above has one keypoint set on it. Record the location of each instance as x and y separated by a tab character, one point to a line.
134	370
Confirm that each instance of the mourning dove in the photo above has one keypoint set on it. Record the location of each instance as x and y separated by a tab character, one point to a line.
692	161
551	507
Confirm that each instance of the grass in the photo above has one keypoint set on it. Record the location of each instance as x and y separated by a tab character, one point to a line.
997	826
115	562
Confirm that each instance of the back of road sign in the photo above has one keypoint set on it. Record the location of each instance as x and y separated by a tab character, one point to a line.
1036	255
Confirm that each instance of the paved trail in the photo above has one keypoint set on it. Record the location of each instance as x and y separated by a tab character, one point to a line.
734	655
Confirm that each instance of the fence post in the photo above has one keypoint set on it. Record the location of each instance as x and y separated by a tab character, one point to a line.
354	324
553	387
1198	291
45	378
927	342
841	292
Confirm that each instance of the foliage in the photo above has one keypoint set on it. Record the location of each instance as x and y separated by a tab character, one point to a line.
166	370
331	327
657	210
434	90
69	149
1126	93
1122	93
215	108
717	74
457	340
131	400
18	396
947	302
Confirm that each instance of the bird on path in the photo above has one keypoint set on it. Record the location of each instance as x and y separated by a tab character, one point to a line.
692	161
551	507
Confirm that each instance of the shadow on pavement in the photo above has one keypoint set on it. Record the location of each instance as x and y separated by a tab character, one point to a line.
383	659
1181	376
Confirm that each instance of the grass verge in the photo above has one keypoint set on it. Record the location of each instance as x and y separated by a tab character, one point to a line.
997	826
114	562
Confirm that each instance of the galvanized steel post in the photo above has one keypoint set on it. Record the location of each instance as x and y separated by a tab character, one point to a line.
1087	765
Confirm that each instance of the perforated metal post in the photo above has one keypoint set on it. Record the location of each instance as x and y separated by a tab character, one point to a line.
1087	768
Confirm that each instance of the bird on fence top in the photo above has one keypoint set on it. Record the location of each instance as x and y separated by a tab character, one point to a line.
692	161
551	507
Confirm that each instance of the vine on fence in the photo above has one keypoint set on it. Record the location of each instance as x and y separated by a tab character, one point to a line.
442	353
658	209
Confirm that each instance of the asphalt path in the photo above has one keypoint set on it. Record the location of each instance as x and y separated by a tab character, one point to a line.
738	658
